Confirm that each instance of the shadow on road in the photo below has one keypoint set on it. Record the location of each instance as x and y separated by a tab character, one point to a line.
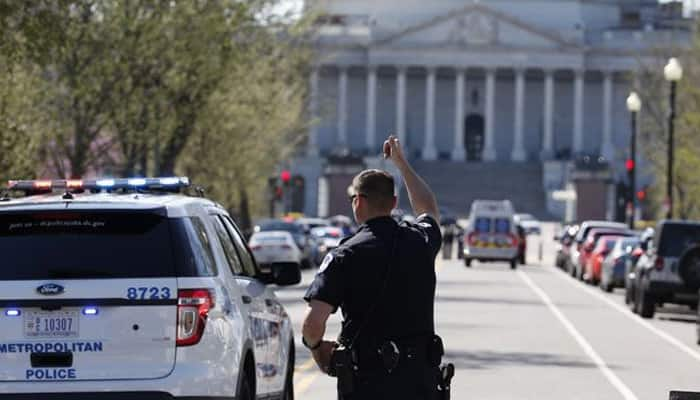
495	359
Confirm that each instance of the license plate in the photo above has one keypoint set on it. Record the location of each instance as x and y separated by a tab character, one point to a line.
51	324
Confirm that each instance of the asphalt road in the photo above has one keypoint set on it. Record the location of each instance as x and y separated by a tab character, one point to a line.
535	333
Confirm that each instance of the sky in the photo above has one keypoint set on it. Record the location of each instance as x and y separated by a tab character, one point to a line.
296	5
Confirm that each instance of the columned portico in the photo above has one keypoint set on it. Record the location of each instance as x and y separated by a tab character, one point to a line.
371	123
458	153
518	124
429	151
342	107
578	111
401	103
489	132
548	117
607	147
491	135
312	144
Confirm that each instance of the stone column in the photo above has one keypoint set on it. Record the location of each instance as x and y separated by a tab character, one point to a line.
370	129
342	107
401	104
578	112
489	132
312	149
606	146
429	151
518	153
548	117
458	153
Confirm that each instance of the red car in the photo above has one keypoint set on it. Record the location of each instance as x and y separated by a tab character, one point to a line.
588	245
594	265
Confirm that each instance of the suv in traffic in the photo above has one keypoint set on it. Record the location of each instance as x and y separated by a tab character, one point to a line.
128	289
658	279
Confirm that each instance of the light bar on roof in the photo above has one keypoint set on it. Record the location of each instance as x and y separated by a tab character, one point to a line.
165	183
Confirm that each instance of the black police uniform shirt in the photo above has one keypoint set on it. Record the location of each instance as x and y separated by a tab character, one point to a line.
352	276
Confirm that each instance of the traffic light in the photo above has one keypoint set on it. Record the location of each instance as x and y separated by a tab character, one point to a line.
285	177
629	165
642	194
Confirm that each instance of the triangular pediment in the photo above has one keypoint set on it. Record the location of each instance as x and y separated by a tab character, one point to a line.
476	25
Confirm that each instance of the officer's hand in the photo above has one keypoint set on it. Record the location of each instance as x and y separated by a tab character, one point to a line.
393	151
322	355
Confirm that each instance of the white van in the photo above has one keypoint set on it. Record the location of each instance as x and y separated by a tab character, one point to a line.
491	234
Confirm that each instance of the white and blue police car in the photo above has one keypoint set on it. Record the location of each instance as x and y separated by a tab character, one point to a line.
130	289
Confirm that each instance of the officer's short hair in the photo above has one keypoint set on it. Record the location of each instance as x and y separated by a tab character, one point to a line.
377	186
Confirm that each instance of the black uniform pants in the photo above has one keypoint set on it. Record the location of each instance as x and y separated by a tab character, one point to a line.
409	382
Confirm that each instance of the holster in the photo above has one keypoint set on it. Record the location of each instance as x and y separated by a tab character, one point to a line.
343	366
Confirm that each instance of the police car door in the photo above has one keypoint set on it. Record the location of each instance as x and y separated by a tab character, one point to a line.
277	324
86	295
253	295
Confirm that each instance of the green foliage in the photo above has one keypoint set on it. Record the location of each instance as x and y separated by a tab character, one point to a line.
654	91
213	88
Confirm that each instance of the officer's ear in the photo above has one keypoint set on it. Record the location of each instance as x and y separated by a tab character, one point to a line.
394	202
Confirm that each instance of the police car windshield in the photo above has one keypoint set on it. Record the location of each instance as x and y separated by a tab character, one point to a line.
96	245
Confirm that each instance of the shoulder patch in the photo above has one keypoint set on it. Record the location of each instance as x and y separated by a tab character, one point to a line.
326	262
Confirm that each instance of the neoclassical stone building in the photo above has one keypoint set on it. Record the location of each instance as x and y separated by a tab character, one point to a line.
513	82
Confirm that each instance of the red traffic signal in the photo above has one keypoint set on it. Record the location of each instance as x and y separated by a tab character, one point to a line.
285	176
641	195
629	165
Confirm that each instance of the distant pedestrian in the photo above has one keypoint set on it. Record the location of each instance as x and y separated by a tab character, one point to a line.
448	236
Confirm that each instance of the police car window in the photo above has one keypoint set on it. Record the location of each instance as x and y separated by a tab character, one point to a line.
192	248
482	225
90	245
227	246
249	268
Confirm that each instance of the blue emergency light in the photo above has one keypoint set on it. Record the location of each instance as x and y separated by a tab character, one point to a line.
103	184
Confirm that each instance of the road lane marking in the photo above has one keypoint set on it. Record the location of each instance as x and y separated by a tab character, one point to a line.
629	314
614	380
305	366
303	385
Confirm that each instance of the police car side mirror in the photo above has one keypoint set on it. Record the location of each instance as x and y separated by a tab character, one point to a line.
285	274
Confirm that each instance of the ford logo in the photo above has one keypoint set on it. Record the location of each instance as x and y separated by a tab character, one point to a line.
50	289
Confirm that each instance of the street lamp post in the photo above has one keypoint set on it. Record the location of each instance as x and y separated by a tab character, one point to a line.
634	104
673	72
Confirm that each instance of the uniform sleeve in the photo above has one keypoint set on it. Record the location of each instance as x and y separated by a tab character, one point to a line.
431	229
329	285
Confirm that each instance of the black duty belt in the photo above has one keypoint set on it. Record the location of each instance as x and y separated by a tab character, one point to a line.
392	353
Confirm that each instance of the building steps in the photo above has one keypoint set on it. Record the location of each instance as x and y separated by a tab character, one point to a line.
457	184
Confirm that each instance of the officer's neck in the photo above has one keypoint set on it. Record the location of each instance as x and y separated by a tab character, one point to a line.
375	216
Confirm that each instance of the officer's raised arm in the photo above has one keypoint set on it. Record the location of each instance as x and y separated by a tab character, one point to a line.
421	197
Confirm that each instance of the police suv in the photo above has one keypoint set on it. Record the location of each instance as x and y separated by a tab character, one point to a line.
127	289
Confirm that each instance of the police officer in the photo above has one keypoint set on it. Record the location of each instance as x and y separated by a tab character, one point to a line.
383	279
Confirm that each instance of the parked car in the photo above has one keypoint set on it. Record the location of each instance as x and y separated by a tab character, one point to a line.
631	265
328	237
529	223
301	238
658	275
565	240
275	249
124	288
574	268
594	264
612	274
589	244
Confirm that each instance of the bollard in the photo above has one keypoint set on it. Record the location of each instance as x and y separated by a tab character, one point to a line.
539	251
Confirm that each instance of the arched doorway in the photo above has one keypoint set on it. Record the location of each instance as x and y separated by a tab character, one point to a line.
474	136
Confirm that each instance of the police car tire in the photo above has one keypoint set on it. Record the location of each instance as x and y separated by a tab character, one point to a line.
513	264
647	305
246	387
467	262
288	393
